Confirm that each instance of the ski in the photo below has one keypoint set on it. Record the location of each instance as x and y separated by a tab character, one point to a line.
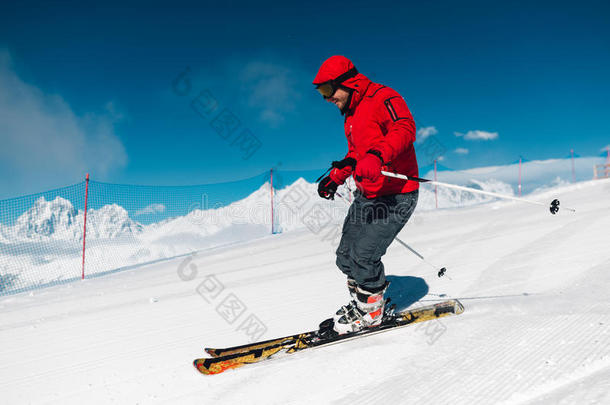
234	357
216	352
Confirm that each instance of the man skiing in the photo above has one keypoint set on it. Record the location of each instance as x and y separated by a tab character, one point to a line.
380	133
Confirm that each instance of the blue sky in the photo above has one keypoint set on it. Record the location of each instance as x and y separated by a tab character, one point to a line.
87	88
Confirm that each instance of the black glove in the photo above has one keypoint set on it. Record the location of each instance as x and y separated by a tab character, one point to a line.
327	188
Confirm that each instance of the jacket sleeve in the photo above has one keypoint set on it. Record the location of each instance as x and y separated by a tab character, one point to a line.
396	121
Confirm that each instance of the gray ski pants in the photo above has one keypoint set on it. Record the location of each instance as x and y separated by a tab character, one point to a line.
369	228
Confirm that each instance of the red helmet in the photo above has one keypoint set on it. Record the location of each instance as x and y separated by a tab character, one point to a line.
332	68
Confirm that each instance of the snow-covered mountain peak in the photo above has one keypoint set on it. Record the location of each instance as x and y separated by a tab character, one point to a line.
59	220
45	219
111	221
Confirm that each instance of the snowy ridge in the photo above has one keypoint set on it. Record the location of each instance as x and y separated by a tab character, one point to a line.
450	198
535	174
58	220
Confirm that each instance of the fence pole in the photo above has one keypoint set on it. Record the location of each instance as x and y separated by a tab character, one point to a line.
573	168
85	222
520	176
435	188
272	216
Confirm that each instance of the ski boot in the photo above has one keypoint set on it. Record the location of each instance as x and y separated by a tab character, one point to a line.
351	287
367	312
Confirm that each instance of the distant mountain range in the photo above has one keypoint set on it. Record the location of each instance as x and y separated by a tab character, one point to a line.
58	220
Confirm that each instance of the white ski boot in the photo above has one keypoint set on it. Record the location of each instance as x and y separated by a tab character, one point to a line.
351	287
366	313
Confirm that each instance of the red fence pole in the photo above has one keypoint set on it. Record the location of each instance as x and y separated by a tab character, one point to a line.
573	168
272	219
519	176
435	189
85	222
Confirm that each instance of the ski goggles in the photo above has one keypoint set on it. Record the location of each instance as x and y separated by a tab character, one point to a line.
327	89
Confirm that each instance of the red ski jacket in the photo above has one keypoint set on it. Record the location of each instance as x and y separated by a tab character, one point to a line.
377	118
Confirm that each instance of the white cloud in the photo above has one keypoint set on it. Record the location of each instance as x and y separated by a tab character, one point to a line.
45	142
461	151
151	209
440	158
478	135
271	88
425	132
605	148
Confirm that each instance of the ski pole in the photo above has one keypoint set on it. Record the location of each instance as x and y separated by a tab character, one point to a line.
440	273
554	206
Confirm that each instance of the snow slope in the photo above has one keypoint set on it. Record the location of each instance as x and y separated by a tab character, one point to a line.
536	288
